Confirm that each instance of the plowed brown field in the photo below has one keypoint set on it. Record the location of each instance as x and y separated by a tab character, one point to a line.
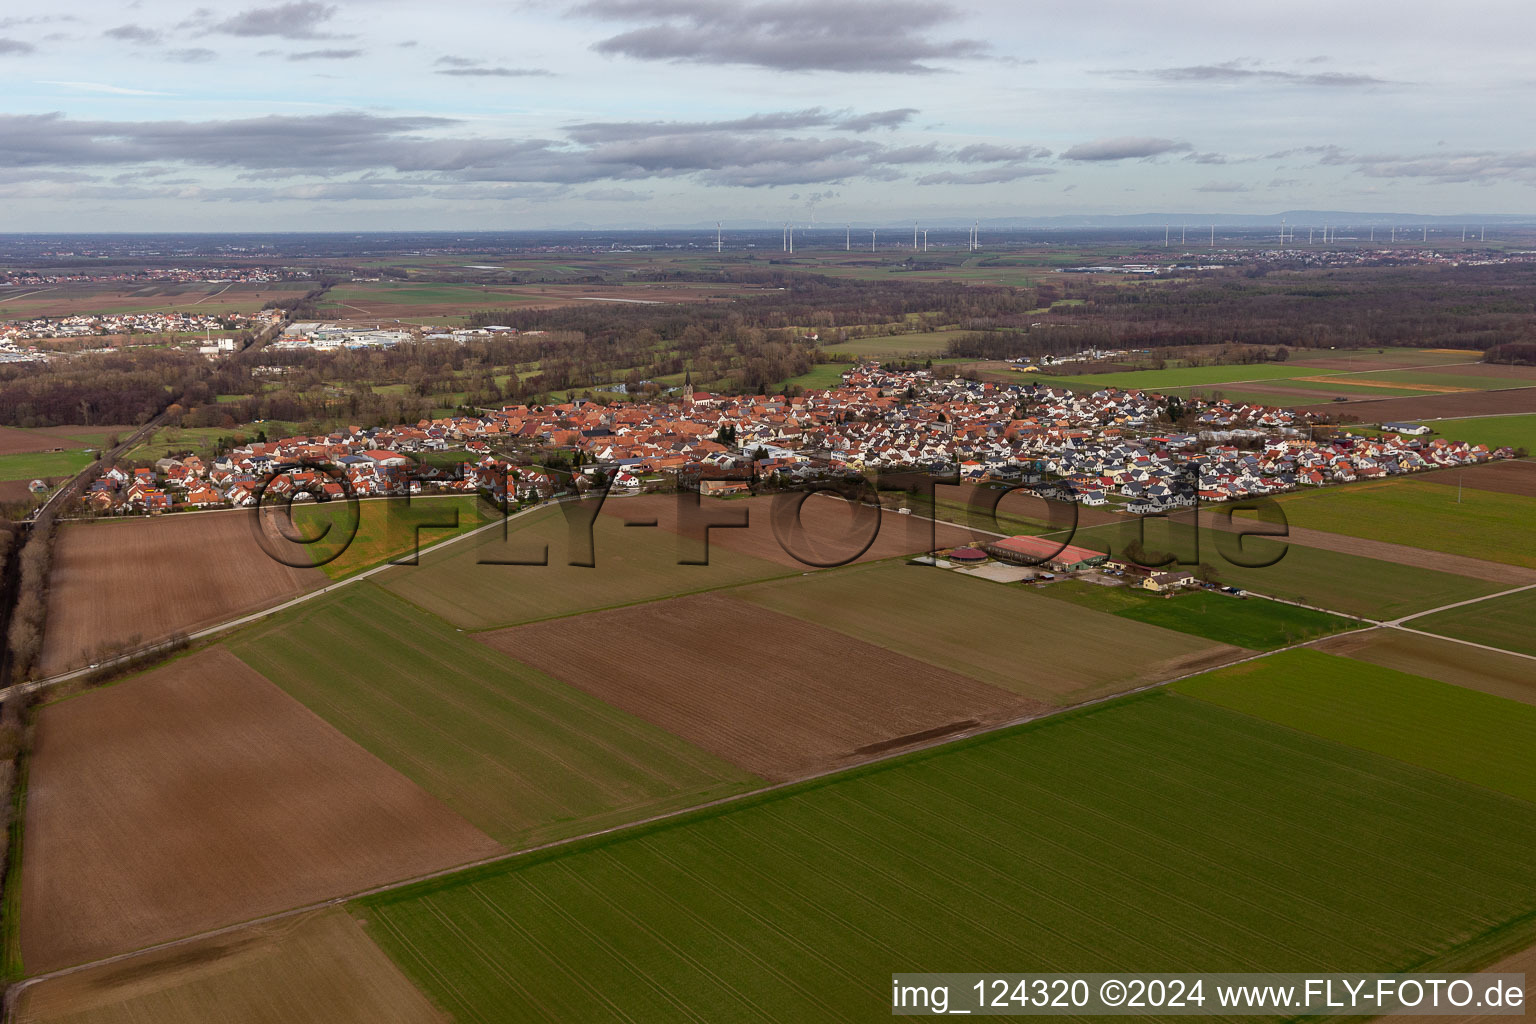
318	968
1464	403
823	530
780	697
201	795
147	578
1507	476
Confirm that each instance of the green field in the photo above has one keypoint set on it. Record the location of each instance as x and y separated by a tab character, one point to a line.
1351	584
821	376
1157	833
1494	431
42	465
387	529
1253	623
1508	623
632	565
1003	635
1483	524
200	441
522	756
912	346
1458	732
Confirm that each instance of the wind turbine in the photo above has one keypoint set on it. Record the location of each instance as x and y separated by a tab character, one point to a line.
718	238
914	236
1426	232
1167	228
1213	236
1483	235
791	239
848	237
872	239
925	239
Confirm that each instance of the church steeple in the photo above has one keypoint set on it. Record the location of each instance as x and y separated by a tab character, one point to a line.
688	387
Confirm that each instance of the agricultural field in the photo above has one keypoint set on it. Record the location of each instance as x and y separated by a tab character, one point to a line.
43	440
1003	635
1462	733
820	377
170	297
1338	580
1503	675
820	531
926	345
1507	476
43	465
1153	833
829	701
1494	431
118	584
1516	399
318	968
379	531
287	810
1508	623
1485	525
519	754
200	441
471	586
1254	623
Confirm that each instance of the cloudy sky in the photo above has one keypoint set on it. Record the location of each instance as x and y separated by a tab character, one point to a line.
501	115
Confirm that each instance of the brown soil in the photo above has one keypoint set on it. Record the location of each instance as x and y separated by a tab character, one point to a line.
201	795
1504	371
1507	476
151	577
780	697
318	968
1462	403
825	530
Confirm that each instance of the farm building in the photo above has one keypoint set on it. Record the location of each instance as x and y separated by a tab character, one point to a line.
1053	555
1406	428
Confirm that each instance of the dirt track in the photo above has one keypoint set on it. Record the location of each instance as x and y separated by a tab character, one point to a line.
151	577
200	795
780	697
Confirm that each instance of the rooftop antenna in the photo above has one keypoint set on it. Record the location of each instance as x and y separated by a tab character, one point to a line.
719	239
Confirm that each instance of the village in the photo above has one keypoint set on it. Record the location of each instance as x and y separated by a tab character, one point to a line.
90	326
1111	448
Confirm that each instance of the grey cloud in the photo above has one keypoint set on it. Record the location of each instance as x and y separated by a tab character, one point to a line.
454	62
15	46
191	55
425	150
787	35
1222	186
880	119
1241	71
497	72
613	195
985	153
987	176
325	55
299	20
1124	149
133	34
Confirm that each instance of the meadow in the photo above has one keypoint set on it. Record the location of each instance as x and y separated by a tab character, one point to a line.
43	465
1461	733
1004	635
1254	623
1351	584
1508	623
520	755
1482	524
1494	431
1154	833
386	529
463	585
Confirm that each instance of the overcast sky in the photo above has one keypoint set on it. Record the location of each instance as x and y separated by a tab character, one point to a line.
461	114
